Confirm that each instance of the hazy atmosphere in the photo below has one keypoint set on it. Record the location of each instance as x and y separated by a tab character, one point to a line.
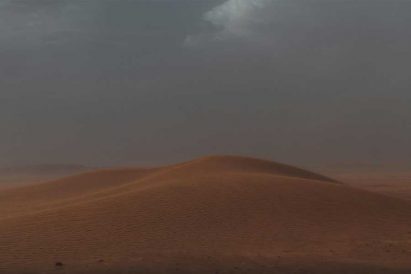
205	136
100	82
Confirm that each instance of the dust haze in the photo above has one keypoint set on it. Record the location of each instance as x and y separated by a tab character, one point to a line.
153	81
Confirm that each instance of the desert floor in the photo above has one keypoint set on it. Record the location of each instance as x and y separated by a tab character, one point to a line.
220	214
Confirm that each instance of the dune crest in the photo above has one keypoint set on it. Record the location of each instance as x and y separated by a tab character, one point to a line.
214	206
248	165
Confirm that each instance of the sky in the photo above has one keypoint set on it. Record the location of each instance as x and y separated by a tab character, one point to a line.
113	82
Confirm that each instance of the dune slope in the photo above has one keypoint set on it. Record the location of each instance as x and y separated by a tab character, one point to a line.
213	207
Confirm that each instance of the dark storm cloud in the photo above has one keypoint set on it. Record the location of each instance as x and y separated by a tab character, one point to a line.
120	81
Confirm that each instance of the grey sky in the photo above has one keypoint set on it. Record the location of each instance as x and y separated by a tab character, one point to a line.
105	82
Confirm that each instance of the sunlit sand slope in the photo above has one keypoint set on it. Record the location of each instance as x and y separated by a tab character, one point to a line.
222	209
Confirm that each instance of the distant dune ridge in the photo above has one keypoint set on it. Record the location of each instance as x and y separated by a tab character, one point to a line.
219	213
25	175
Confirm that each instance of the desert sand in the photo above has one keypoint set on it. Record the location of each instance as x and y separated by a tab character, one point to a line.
392	181
219	214
27	175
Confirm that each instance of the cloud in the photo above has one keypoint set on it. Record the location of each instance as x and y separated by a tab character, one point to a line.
237	16
233	18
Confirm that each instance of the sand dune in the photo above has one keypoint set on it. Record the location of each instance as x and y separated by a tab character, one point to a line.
393	182
223	213
26	175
